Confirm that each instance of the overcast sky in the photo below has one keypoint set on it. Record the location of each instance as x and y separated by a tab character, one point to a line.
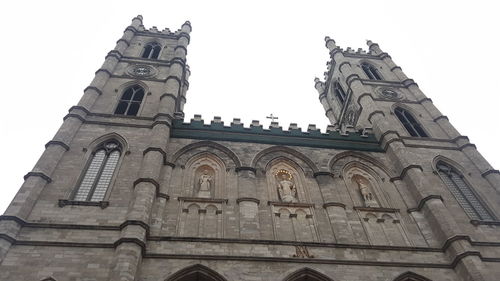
247	60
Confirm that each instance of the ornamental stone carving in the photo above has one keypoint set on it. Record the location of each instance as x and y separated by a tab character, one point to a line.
366	191
287	190
204	184
141	70
389	93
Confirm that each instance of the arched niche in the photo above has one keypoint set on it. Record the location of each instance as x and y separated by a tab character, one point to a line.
204	176
285	181
364	186
196	272
263	158
183	155
293	214
339	161
370	191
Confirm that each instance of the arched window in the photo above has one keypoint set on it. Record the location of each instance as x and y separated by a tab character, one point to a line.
410	123
99	172
371	71
339	93
130	101
410	276
151	50
307	274
463	192
196	272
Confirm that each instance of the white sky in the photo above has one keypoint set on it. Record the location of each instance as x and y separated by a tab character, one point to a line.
248	59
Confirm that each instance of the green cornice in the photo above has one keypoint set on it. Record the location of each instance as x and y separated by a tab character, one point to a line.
257	134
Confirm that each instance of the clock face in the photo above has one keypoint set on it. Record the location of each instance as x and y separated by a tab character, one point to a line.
141	71
389	94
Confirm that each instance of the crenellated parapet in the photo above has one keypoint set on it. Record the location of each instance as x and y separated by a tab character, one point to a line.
153	30
275	134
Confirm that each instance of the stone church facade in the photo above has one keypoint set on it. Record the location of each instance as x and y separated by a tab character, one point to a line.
128	190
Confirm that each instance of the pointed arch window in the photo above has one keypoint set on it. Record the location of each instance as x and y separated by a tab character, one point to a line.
130	101
340	93
371	71
410	276
99	172
410	123
464	194
151	51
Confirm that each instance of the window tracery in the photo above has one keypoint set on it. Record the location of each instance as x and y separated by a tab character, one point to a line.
151	51
99	172
410	123
464	194
340	93
371	71
131	100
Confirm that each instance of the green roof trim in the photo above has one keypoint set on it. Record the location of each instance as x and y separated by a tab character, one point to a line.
216	131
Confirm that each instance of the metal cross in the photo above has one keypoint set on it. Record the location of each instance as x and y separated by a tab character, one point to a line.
272	117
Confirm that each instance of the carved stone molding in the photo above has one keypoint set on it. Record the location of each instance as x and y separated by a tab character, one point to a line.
291	204
484	174
60	143
323	173
64	202
423	201
334	204
204	200
241	199
376	209
38	174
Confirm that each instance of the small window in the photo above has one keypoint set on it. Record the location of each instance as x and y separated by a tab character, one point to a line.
463	192
99	172
130	101
410	123
339	93
151	51
371	71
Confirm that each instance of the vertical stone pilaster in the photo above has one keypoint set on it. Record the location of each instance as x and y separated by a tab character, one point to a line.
334	208
321	88
248	203
486	170
185	87
161	201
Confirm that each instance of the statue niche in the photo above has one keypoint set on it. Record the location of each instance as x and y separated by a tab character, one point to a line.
366	191
204	182
287	190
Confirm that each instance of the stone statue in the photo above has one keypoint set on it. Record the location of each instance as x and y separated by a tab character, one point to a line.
366	192
287	189
204	185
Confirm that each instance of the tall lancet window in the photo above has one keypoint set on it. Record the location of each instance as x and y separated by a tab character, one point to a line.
99	172
340	93
151	51
463	192
410	123
371	71
130	101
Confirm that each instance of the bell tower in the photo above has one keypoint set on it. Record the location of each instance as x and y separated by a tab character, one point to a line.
121	123
366	89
